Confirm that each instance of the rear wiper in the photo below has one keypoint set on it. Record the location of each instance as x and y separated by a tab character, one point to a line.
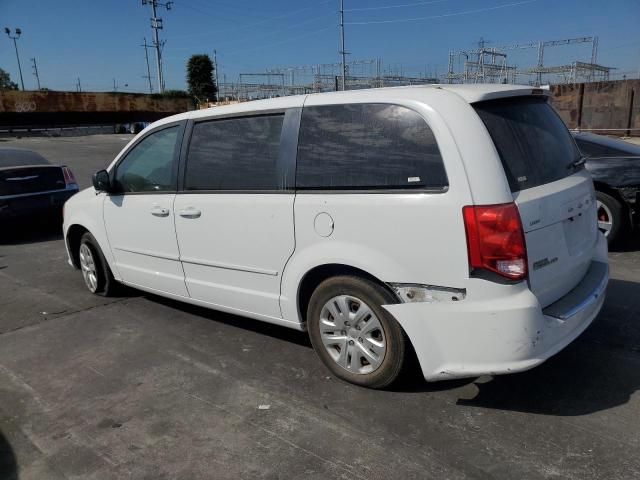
579	162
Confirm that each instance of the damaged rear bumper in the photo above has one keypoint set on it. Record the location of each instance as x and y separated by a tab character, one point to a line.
502	334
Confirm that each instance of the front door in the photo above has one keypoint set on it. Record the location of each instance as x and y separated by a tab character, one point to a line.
139	218
234	216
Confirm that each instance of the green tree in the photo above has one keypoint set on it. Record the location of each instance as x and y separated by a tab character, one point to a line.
200	78
5	81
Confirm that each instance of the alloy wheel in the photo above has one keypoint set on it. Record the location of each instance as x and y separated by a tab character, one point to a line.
88	267
605	218
352	334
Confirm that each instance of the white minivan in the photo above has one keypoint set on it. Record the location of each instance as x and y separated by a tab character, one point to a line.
453	221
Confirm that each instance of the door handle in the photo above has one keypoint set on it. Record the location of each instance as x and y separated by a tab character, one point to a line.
158	211
190	212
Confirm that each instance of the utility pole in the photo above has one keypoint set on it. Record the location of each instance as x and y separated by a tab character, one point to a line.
35	71
215	67
78	86
342	50
146	57
15	44
540	63
156	24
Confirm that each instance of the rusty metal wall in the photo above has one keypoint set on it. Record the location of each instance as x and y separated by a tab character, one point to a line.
71	108
603	107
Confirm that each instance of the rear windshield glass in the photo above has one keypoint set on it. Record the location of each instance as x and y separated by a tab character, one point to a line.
534	144
10	157
600	150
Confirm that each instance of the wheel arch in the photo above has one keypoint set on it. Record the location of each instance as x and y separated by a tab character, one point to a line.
609	190
613	192
74	235
316	275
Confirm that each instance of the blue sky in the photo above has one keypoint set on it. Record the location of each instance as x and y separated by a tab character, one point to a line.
100	40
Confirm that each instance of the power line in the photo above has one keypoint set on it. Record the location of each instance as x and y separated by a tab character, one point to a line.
260	22
221	11
252	39
455	14
217	15
416	4
624	45
290	39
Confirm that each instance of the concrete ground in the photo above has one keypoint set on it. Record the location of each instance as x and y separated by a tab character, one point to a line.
142	387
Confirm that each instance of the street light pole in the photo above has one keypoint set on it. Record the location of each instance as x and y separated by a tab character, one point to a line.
15	44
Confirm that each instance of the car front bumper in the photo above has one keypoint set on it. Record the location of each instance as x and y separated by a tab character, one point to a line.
503	334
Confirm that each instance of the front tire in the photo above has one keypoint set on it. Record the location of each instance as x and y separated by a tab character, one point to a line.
357	339
96	273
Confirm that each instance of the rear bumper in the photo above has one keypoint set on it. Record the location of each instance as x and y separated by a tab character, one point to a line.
510	333
34	204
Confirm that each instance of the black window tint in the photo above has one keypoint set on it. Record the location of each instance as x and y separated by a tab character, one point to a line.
364	146
235	154
148	167
534	144
14	157
596	150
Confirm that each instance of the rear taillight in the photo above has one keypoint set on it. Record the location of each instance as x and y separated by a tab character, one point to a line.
495	239
69	179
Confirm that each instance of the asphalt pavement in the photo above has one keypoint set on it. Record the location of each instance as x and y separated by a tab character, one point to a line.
143	387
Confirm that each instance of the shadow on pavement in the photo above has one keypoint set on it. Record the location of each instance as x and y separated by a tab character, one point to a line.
599	371
258	326
8	464
629	244
33	231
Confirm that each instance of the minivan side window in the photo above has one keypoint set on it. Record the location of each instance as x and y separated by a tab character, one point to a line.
235	154
367	146
148	166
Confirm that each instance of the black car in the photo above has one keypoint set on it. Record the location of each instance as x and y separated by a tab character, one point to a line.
615	168
31	187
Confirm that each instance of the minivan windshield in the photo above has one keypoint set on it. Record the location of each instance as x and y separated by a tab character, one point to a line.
533	142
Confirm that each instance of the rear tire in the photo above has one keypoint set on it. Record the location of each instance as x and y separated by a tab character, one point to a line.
612	221
358	340
94	267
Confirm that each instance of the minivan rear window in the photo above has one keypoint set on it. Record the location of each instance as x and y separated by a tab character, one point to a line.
367	146
533	142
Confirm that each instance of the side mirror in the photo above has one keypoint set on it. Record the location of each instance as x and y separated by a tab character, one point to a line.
101	181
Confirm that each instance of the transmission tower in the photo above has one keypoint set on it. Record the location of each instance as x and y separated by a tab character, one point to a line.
156	24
